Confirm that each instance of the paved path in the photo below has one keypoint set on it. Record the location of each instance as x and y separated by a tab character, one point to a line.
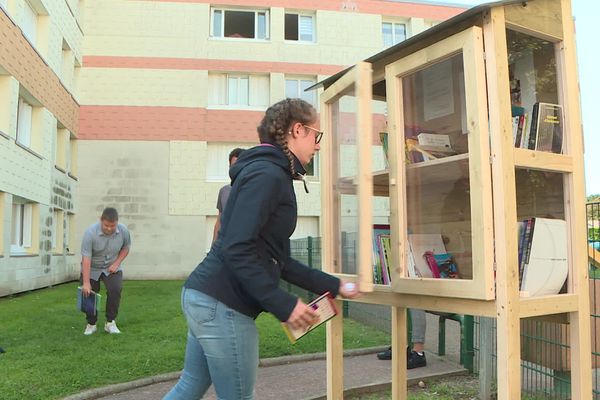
294	380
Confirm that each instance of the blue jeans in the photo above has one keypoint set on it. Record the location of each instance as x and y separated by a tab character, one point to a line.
222	349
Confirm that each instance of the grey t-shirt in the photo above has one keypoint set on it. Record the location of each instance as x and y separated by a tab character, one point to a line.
102	249
223	196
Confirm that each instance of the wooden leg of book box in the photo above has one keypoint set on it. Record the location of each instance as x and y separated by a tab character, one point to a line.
335	356
399	342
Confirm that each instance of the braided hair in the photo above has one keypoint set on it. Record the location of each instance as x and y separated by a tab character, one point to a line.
278	120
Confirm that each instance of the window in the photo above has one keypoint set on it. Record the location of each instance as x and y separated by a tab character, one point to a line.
68	65
295	87
57	230
29	23
21	229
24	122
240	24
299	27
393	33
238	90
72	159
70	233
217	161
61	154
312	168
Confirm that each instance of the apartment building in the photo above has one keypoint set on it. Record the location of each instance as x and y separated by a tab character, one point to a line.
169	87
138	105
40	53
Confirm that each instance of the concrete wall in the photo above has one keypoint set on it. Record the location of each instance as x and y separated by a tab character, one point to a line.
133	177
40	70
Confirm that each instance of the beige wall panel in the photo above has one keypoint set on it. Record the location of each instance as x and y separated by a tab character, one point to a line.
133	177
144	29
191	194
21	61
143	87
151	29
23	174
19	274
9	98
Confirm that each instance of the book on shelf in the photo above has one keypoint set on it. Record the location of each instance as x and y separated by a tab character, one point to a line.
546	131
325	308
381	254
88	304
383	137
421	246
418	153
518	131
543	266
434	139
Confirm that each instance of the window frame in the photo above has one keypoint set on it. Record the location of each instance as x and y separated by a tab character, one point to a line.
299	79
393	24
24	138
255	11
29	26
219	82
57	238
21	227
300	14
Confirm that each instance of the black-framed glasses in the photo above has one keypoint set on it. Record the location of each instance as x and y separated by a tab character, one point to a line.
318	135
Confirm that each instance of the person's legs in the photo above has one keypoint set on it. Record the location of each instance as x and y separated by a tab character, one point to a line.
114	286
416	358
419	325
195	378
95	285
233	359
222	349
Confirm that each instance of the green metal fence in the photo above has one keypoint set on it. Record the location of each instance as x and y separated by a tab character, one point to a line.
545	357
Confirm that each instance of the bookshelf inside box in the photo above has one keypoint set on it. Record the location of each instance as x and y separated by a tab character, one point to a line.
462	80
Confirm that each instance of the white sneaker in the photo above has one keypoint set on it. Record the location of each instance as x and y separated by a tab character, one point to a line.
111	327
89	329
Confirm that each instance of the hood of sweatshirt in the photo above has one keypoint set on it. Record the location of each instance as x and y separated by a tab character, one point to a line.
265	152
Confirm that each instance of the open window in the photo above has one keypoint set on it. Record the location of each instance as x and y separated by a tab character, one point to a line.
244	24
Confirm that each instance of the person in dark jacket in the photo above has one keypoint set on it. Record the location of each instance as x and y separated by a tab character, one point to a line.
239	278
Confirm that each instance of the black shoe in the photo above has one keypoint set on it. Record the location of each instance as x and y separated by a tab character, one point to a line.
416	360
386	354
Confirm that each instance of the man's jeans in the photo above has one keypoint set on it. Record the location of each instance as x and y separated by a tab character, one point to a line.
222	349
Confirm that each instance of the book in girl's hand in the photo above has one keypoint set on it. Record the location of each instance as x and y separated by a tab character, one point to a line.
325	308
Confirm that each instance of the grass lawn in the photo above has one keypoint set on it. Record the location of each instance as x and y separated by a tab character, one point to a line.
48	357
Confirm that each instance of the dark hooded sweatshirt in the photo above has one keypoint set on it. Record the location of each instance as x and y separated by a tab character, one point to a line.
252	251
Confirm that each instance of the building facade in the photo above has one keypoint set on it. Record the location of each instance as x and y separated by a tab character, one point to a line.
167	88
40	53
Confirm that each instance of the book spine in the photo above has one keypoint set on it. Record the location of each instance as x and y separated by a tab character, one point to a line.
519	135
534	126
522	235
529	240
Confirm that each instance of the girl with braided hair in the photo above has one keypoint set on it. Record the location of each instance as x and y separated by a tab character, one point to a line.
239	278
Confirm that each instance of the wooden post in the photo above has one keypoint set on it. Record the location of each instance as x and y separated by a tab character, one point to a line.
505	213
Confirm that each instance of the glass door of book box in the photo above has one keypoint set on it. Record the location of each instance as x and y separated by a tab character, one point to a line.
440	174
540	178
354	221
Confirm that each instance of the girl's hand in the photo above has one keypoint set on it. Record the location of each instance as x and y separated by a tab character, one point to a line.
349	290
302	316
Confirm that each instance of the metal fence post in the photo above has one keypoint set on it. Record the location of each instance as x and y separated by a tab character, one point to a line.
309	247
